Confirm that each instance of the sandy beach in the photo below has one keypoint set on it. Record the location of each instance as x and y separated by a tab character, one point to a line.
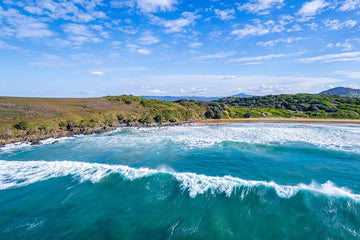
281	120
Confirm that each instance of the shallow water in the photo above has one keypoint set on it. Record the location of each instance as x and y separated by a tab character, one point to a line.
241	181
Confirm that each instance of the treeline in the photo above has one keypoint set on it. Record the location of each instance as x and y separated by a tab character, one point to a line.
285	105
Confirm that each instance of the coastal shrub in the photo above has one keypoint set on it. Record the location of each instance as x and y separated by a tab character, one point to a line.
159	118
70	125
145	119
23	125
43	127
154	112
62	125
85	123
188	114
213	113
128	99
120	117
209	113
215	110
173	120
109	122
247	115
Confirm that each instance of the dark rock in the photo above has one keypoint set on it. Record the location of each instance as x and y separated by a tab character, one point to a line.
35	141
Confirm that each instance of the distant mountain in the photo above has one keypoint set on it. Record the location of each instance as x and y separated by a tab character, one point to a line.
342	91
241	95
198	98
174	98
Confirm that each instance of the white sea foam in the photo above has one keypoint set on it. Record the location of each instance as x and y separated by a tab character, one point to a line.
336	137
25	145
13	146
54	140
326	136
21	173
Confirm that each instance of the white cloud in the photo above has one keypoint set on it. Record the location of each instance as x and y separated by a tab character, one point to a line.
116	43
147	39
138	49
251	30
258	59
312	8
143	51
346	46
156	5
77	11
272	43
261	6
80	33
98	73
226	14
336	24
76	29
122	3
354	75
128	30
22	26
195	44
34	30
253	63
147	6
216	55
339	57
176	25
350	5
260	29
33	10
313	26
157	91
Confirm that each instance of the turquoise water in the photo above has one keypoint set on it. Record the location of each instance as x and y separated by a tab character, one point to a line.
234	181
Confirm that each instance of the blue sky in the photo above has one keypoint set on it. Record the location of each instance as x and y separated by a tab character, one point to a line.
88	48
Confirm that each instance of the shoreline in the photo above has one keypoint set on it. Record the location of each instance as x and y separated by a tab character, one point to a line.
279	120
35	140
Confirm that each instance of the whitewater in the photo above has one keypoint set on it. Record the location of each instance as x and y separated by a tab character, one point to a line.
220	181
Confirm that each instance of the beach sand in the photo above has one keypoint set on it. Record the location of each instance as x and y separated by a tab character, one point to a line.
281	120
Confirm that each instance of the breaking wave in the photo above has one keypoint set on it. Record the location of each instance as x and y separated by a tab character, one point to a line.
21	173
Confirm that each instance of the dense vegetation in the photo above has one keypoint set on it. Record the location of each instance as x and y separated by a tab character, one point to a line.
299	105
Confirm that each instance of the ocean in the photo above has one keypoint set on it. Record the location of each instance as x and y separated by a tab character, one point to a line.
224	181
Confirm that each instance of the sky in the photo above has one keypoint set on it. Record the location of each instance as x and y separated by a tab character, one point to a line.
91	48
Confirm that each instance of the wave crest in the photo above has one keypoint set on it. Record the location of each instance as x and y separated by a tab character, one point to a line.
21	173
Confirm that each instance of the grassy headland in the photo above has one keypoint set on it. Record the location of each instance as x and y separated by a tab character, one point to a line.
31	119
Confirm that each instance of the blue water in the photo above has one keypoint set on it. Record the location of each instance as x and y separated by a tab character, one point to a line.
231	181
